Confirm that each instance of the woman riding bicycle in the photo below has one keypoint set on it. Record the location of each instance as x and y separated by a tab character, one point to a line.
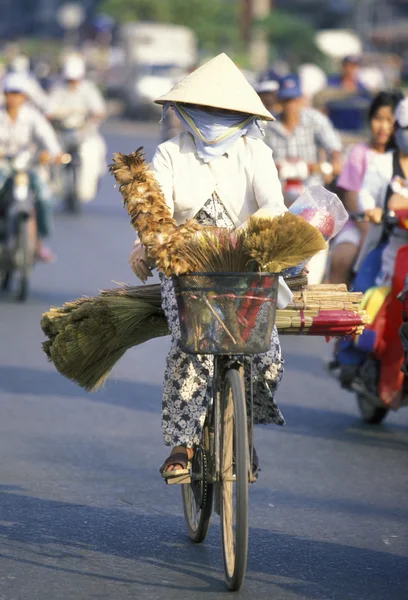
220	172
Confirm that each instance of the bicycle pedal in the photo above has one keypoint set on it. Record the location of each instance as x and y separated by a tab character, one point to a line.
177	480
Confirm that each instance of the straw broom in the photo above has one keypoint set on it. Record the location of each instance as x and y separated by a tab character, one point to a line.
88	336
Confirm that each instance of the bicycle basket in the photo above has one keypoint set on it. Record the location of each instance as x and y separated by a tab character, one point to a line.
226	313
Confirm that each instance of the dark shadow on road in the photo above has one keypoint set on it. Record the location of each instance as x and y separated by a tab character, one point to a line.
333	425
329	505
36	382
36	530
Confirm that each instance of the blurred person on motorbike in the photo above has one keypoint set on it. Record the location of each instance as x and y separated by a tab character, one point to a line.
267	90
23	128
348	78
385	188
297	138
370	363
347	243
76	103
299	131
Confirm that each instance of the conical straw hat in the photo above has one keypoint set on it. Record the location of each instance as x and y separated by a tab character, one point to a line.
219	84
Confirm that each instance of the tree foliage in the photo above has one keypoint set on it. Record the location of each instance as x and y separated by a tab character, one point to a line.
291	39
215	22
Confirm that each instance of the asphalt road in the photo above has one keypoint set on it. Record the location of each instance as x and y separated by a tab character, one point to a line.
83	512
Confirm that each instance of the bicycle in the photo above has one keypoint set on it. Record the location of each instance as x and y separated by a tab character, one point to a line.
230	316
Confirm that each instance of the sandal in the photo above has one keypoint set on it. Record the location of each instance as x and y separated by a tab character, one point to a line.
178	458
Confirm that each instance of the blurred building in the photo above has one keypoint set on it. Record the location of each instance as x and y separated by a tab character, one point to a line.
34	17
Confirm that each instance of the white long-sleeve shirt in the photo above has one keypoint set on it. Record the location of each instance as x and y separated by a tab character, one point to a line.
85	99
30	128
245	179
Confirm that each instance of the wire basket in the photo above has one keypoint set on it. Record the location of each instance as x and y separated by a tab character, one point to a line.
226	313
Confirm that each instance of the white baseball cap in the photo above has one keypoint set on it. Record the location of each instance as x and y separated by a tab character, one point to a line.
401	113
267	86
15	82
73	68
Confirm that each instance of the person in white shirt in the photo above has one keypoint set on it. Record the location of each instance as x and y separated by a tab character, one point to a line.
24	128
220	172
77	100
385	187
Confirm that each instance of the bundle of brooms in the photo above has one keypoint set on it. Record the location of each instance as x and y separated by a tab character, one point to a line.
88	336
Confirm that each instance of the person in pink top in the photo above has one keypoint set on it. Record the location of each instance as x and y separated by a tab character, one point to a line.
346	244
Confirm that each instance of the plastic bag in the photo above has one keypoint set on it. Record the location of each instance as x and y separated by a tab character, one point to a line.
321	208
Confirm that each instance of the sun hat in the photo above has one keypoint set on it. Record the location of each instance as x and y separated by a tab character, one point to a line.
219	84
265	87
289	88
401	113
15	82
352	59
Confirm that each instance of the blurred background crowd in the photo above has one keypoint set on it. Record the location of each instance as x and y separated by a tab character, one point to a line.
317	64
136	49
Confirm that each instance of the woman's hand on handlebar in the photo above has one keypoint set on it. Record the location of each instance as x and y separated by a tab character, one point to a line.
374	215
138	262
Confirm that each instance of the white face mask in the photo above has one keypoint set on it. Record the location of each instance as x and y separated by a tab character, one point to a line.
401	139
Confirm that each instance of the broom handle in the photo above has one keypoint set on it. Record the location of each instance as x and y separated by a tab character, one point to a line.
220	321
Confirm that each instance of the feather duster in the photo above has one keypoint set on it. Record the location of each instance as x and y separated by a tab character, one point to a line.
149	213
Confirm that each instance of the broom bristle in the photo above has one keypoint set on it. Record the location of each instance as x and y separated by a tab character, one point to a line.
283	242
87	338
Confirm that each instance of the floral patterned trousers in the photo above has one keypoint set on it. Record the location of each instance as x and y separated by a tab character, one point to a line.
188	378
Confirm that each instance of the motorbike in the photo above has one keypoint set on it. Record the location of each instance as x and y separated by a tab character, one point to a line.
17	226
296	175
403	296
70	131
379	375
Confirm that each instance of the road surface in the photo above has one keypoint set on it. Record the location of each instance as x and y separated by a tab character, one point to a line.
84	514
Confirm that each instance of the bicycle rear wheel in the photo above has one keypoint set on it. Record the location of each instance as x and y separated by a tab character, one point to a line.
234	478
197	496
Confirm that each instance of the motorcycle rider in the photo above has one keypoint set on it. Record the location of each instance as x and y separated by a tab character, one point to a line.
77	97
267	90
385	187
22	128
348	79
299	132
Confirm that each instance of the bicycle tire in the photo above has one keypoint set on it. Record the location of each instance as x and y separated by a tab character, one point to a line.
198	517
234	459
23	245
6	280
374	415
72	202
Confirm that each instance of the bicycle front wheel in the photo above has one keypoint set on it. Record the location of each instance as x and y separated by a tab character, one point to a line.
234	478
